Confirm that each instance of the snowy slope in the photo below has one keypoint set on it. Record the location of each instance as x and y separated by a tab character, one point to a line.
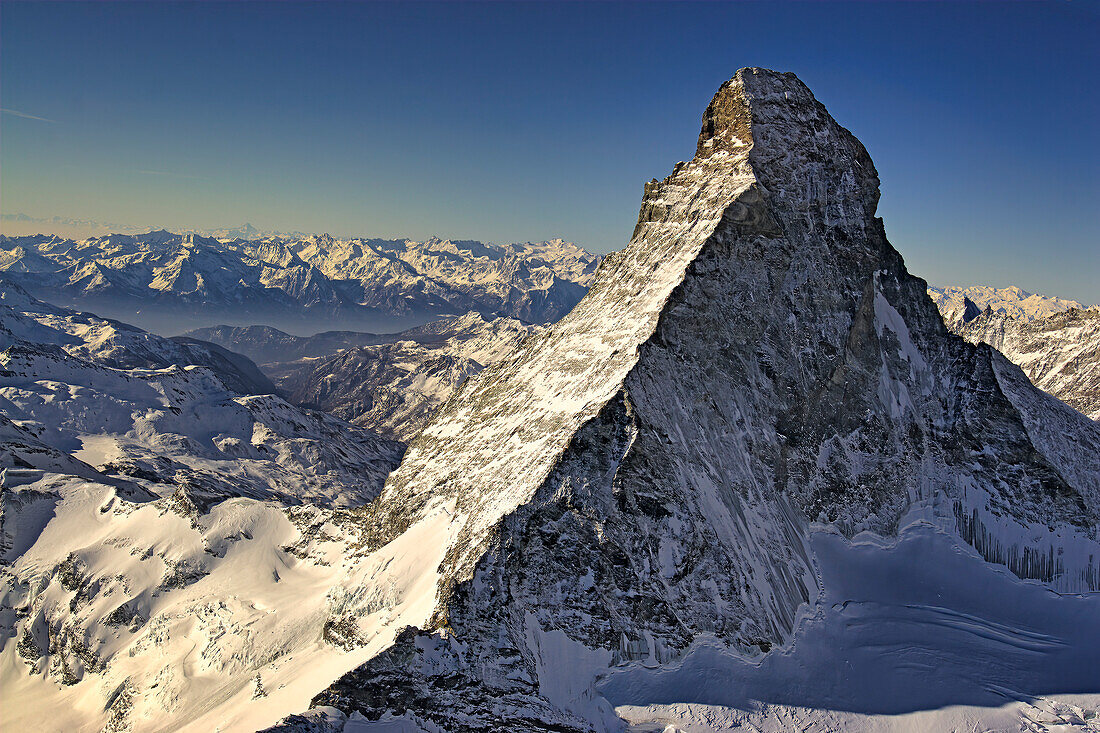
27	320
169	547
652	477
170	282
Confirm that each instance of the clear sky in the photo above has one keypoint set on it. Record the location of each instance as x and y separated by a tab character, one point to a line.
515	122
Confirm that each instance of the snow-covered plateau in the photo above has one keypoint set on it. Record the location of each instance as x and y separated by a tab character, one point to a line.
751	481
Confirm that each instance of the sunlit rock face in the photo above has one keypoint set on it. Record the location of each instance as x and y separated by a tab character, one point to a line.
756	365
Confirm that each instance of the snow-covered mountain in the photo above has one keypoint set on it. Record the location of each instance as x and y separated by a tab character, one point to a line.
394	388
1055	341
171	282
1060	354
1011	301
751	479
162	537
27	320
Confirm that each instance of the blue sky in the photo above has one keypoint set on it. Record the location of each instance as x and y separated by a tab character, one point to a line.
514	122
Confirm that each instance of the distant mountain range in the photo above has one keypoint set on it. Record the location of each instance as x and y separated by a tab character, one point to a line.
25	320
389	383
1011	301
169	282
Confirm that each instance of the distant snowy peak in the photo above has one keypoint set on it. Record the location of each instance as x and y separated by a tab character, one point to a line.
1054	340
163	280
1010	301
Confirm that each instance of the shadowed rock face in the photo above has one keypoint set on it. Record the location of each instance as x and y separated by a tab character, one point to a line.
645	474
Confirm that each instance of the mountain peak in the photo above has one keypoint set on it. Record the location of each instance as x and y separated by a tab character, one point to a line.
729	118
970	310
755	363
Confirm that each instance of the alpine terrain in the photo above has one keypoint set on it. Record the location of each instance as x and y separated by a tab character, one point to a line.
171	282
156	502
1012	302
750	481
1060	353
389	383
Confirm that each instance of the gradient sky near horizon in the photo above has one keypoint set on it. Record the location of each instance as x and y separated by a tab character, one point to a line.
514	122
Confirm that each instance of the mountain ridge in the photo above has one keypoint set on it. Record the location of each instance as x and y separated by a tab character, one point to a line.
307	283
755	368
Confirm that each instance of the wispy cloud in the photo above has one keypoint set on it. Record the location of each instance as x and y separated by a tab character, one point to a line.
24	115
170	174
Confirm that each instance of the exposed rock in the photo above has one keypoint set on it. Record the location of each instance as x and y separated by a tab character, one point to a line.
645	474
1060	354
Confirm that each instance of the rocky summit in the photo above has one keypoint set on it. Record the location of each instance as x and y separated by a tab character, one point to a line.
754	393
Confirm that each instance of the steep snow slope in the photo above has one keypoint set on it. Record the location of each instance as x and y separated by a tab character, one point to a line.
181	428
649	476
170	282
24	319
169	547
1060	353
1011	301
394	388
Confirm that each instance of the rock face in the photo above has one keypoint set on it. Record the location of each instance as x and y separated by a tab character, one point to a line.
1060	354
756	363
169	282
